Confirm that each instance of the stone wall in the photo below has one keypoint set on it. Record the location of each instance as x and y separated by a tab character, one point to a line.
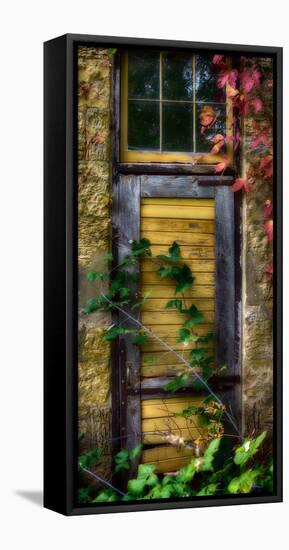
94	170
257	345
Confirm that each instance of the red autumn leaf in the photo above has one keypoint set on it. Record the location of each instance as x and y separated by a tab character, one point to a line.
219	142
256	104
268	227
240	183
237	139
232	92
268	209
249	80
228	76
221	166
262	137
217	59
98	139
207	117
269	271
266	166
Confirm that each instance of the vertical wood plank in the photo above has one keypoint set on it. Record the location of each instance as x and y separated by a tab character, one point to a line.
126	227
225	313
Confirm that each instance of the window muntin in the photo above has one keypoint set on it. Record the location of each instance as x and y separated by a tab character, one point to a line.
162	97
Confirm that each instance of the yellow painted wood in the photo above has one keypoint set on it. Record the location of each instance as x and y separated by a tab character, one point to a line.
165	452
157	370
170	317
151	278
154	408
169	236
172	331
166	292
180	226
171	423
190	222
202	266
178	212
159	304
163	357
153	345
188	252
176	201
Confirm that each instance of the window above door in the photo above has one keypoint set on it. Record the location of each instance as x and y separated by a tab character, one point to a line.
171	108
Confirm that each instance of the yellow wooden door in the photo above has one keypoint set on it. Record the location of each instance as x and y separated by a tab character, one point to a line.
190	222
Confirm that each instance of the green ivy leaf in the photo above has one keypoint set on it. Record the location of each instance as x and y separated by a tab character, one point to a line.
187	473
248	449
89	459
114	332
145	470
145	477
184	280
209	455
121	460
108	495
150	359
172	272
91	305
124	292
177	383
208	490
140	339
135	452
141	247
174	254
205	339
136	486
112	51
184	336
93	276
195	315
178	304
244	483
198	354
186	413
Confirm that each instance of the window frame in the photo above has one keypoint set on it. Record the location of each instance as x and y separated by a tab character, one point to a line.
143	156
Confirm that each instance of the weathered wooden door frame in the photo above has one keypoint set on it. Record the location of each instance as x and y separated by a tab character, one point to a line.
128	190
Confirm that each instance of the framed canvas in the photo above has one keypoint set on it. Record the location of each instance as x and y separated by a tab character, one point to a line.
163	280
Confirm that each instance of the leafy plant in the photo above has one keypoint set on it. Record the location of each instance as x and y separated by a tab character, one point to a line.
214	473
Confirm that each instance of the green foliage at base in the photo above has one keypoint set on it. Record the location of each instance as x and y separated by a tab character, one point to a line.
221	470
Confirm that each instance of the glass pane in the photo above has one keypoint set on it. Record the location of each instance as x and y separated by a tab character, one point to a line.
177	127
206	80
177	76
143	75
211	120
143	125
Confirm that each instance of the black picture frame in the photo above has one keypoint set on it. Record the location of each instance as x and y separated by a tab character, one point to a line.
60	274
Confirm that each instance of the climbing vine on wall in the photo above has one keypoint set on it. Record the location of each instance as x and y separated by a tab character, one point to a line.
250	95
215	468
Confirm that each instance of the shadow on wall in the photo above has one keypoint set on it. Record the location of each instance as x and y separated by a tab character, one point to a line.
36	497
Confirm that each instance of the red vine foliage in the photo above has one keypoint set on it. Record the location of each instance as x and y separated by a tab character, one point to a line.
250	93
